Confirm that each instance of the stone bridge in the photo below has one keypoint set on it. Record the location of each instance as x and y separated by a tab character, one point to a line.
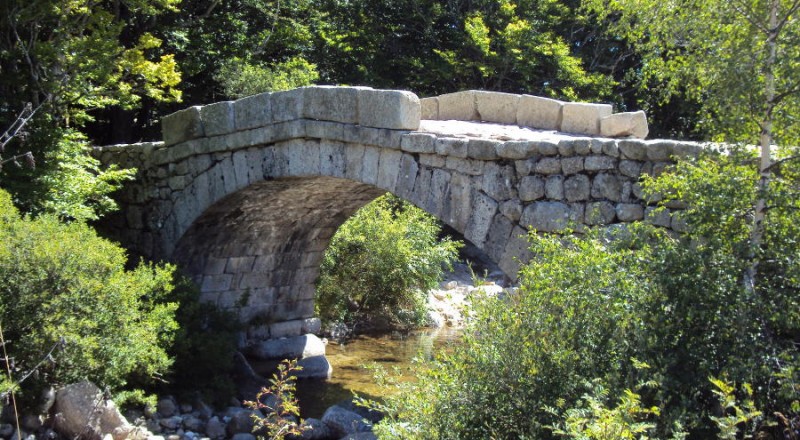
245	195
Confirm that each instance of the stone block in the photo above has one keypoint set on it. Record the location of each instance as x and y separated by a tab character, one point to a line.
499	232
429	108
517	252
287	329
516	149
418	143
538	112
599	163
572	165
252	111
218	118
630	168
332	160
496	107
511	209
546	216
531	188
181	126
548	165
395	109
408	174
389	169
577	188
369	165
497	181
583	118
434	160
331	103
546	148
633	149
554	188
607	186
659	151
599	213
481	215
287	105
458	206
465	166
456	147
628	212
483	149
657	216
459	106
299	347
628	124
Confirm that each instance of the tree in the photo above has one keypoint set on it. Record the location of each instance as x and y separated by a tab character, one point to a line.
740	58
66	59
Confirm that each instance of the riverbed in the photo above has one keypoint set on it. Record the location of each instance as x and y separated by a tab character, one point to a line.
349	361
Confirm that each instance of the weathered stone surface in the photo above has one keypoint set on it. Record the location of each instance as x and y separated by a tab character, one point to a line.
82	411
343	422
628	212
498	181
531	188
583	118
548	165
287	105
429	108
329	103
484	209
289	348
572	165
633	124
599	213
314	367
538	112
418	143
393	109
577	188
546	216
496	107
459	106
218	118
599	163
633	149
516	149
483	149
253	111
181	126
607	186
554	188
456	147
512	209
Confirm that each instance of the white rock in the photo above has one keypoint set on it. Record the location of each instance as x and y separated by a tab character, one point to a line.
459	106
583	118
497	107
632	124
538	112
82	410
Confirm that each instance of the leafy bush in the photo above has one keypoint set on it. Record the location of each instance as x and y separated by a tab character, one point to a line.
203	349
63	286
588	305
240	78
379	262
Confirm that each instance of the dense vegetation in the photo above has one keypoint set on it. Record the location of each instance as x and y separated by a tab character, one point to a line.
648	317
379	265
645	319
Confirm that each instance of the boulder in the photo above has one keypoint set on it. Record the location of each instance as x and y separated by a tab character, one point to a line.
81	411
315	429
297	347
633	124
215	429
343	422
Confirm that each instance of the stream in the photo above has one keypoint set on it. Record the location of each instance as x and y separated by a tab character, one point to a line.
350	375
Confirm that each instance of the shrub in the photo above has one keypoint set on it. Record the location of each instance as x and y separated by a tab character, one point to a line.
379	262
63	286
589	304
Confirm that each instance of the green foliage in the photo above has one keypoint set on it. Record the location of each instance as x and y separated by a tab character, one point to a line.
203	349
239	78
589	304
379	262
718	54
64	289
735	413
435	47
592	419
280	404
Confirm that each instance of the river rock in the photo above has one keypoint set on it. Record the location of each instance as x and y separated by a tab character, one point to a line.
343	422
242	421
192	423
167	407
215	429
315	367
315	429
297	347
360	436
81	410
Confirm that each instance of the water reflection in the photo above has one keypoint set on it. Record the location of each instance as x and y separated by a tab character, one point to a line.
348	361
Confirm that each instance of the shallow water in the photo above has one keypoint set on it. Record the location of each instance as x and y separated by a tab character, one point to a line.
350	375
